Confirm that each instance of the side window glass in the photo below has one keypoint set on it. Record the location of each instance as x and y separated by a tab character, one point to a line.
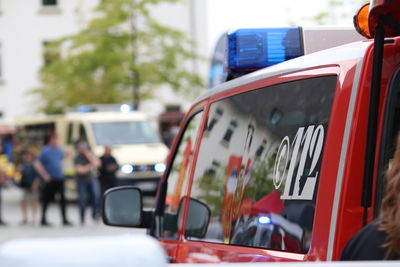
178	177
258	168
391	129
69	133
82	134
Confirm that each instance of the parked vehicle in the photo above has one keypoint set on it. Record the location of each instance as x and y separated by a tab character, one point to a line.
285	163
136	145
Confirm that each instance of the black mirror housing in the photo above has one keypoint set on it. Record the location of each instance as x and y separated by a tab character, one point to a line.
198	218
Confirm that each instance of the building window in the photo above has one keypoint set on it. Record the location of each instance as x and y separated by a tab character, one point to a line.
51	53
49	2
49	7
214	120
229	132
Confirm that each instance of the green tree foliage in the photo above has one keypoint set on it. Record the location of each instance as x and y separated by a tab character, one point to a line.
261	183
212	190
122	50
212	185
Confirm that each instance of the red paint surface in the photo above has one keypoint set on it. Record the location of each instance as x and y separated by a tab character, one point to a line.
350	212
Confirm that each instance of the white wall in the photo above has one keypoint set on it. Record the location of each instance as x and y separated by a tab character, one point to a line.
24	27
179	16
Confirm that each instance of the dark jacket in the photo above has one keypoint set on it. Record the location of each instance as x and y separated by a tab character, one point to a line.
105	174
366	245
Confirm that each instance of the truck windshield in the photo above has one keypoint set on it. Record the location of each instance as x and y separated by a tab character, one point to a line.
124	133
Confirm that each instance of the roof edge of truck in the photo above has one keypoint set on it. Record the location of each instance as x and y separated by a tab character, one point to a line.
325	57
90	116
104	115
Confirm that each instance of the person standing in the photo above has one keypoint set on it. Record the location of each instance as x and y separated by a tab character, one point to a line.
6	172
107	170
29	183
8	147
49	166
380	240
88	186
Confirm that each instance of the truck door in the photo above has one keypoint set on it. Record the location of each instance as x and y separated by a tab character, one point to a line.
174	187
257	170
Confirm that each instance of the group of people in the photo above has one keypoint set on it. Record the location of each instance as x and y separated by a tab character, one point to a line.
42	180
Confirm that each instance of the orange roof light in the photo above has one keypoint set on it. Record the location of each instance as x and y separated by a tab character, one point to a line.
361	21
390	11
386	11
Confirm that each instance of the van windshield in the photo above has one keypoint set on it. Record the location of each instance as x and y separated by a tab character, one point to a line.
124	133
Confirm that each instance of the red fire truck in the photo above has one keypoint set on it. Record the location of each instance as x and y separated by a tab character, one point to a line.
285	163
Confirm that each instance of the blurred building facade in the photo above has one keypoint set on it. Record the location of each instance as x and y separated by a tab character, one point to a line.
27	25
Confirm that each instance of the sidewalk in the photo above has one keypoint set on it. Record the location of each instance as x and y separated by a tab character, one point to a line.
12	215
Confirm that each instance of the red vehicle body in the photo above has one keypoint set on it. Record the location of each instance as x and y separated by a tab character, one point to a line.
308	164
338	211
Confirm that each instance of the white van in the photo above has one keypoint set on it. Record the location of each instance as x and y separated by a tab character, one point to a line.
136	145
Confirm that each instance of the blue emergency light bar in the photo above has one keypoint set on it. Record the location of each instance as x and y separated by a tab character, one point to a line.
252	49
124	108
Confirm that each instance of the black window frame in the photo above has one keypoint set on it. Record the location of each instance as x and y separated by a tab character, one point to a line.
388	137
160	205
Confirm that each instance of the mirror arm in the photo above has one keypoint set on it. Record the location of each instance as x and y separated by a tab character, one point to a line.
147	217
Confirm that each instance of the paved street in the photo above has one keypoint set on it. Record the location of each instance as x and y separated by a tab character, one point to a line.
12	215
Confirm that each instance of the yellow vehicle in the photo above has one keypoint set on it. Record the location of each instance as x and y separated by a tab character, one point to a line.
136	145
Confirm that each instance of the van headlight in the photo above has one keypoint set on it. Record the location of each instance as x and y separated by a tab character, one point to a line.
160	167
127	168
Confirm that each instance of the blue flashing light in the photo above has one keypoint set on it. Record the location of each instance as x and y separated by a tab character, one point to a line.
125	108
85	109
252	49
264	220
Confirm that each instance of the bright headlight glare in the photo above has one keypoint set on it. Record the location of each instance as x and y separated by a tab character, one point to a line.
160	167
127	168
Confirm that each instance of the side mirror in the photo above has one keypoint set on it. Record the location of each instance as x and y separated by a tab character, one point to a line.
123	207
198	219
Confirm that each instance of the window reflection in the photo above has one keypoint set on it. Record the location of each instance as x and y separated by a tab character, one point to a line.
257	170
178	178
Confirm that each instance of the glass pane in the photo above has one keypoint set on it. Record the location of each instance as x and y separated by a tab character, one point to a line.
178	177
259	163
82	133
124	133
69	133
49	2
123	207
